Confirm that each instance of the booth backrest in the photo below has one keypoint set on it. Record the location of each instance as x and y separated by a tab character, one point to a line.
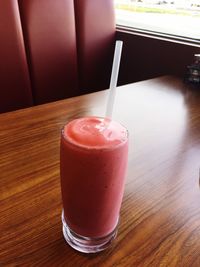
54	49
95	27
50	40
15	89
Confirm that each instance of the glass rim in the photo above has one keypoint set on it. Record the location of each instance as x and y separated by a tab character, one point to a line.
94	148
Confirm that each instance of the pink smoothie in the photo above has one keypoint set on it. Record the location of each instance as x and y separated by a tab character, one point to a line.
93	163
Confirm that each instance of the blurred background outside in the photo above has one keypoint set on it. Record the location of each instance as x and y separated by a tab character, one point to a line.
174	17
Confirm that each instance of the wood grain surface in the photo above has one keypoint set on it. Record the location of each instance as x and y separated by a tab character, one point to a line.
160	214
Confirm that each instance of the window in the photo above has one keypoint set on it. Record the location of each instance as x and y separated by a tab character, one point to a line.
179	18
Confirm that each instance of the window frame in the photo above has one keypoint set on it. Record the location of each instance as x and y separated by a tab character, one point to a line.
158	35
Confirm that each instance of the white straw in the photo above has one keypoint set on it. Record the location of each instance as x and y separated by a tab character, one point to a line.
114	77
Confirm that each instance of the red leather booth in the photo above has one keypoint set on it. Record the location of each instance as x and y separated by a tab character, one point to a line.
52	50
50	39
15	87
95	24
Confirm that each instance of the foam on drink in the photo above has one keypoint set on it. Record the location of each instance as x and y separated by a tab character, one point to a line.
95	132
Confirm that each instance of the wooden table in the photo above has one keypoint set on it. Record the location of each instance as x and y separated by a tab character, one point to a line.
160	215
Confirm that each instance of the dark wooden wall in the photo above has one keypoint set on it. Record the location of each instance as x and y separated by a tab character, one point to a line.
146	57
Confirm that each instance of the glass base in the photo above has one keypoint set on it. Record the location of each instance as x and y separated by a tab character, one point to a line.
87	244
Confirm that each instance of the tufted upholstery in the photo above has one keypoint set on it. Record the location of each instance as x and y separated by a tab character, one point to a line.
54	49
95	24
15	90
50	38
